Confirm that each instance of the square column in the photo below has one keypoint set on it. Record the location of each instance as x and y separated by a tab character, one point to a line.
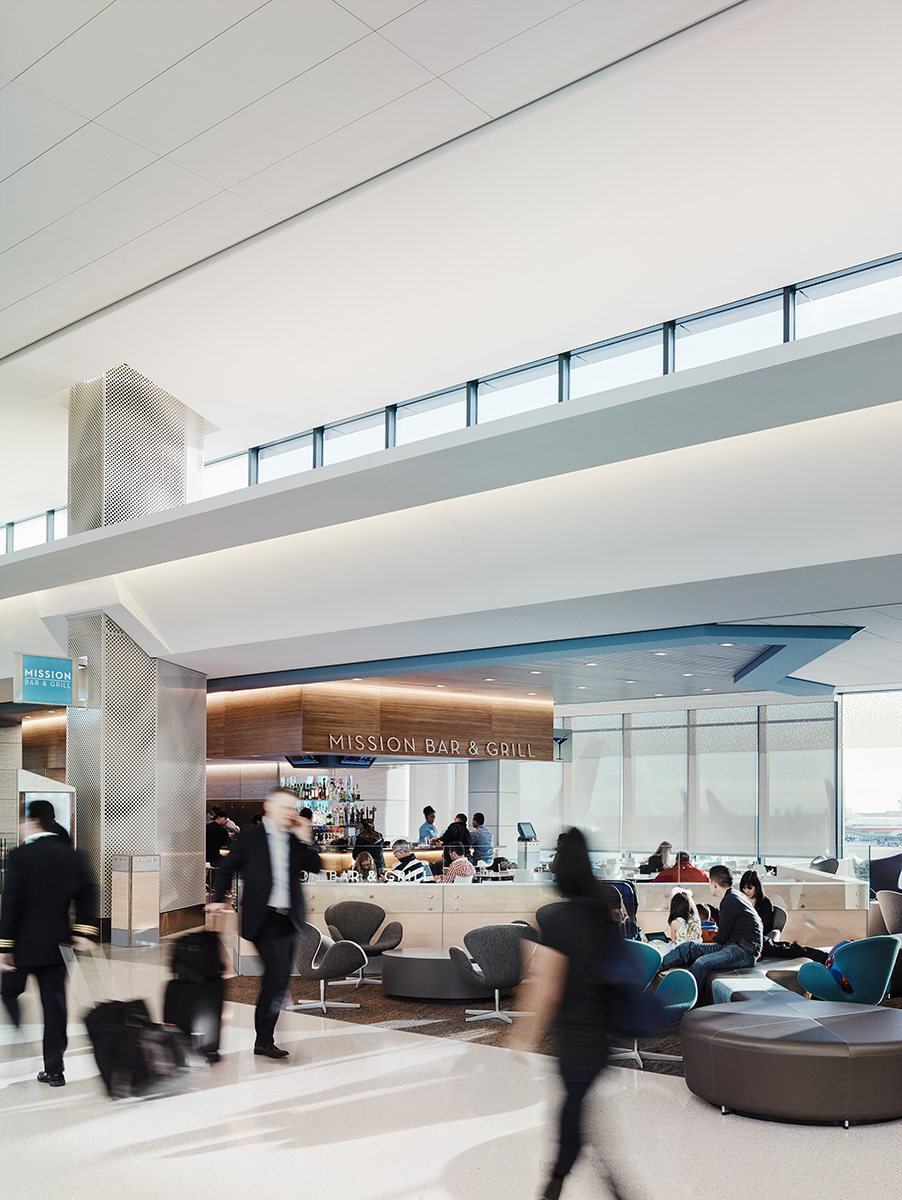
136	757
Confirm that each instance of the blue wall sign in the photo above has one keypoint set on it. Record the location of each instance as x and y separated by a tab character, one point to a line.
38	679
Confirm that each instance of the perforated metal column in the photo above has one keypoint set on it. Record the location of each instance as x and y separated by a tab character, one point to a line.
133	449
136	759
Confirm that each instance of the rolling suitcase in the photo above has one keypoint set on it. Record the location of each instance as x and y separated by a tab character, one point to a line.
196	1009
197	957
134	1055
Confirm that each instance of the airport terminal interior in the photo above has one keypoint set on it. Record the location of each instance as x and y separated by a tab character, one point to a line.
375	375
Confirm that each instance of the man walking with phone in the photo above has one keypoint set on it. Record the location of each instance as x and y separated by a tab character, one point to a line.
270	857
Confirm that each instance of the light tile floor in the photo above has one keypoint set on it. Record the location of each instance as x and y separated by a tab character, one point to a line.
370	1113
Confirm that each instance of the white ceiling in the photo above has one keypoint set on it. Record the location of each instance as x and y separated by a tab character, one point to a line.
693	174
139	137
746	529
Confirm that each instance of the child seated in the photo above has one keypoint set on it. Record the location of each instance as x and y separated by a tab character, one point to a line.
683	923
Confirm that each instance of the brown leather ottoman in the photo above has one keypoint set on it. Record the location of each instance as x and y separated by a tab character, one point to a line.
802	1060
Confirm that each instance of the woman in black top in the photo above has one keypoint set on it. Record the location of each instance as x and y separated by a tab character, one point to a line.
750	885
565	993
370	839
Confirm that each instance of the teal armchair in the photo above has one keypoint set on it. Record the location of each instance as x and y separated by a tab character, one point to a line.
867	965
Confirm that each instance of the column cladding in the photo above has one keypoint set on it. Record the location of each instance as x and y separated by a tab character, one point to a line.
135	756
133	450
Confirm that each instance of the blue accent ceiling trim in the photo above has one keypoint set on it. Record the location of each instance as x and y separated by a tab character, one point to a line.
790	648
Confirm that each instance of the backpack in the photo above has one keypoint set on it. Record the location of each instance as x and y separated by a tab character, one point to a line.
835	971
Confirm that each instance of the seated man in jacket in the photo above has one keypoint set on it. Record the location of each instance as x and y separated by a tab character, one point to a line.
739	935
682	871
408	868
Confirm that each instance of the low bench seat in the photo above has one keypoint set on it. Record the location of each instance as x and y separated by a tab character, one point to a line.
792	1059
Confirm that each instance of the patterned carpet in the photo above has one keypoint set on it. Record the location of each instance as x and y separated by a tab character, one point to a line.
432	1018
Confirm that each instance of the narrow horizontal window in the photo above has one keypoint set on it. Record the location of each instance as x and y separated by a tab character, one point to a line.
431	416
728	333
615	364
351	439
862	296
285	458
517	392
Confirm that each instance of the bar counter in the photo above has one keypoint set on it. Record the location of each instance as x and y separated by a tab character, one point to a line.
439	914
343	860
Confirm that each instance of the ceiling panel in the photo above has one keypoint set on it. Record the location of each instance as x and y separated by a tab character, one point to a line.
67	176
389	135
145	199
379	12
633	675
20	276
126	45
439	35
28	31
42	312
200	230
279	42
29	126
361	78
581	39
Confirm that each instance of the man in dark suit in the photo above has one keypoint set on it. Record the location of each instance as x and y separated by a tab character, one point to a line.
271	857
43	877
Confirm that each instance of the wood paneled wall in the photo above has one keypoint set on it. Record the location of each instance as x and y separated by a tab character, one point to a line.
44	746
417	722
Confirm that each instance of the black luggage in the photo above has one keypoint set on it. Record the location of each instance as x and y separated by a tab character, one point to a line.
196	1009
197	957
135	1056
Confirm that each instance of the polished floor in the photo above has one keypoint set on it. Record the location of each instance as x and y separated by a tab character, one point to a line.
371	1113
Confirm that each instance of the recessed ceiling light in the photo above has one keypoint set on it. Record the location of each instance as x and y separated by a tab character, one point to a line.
439	685
489	679
532	693
728	643
687	674
658	695
660	653
706	689
357	679
535	672
629	681
591	664
580	687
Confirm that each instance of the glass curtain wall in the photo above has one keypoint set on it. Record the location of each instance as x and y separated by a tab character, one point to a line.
747	781
871	743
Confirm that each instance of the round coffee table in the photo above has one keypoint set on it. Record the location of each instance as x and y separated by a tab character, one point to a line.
426	973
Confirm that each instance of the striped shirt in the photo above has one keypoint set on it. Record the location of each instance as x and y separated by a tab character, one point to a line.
461	867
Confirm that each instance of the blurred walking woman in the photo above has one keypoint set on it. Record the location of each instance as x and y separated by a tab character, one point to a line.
564	993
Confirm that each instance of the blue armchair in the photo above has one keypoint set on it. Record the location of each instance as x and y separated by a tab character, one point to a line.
867	965
677	993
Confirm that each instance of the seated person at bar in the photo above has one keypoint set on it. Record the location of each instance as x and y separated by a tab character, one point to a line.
481	840
408	869
428	830
365	866
460	868
456	834
657	861
370	839
739	935
682	871
683	921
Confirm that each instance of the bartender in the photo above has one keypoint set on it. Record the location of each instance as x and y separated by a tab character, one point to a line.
428	830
